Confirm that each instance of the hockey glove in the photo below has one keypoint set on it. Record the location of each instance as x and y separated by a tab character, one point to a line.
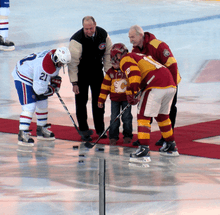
56	82
50	91
41	97
132	100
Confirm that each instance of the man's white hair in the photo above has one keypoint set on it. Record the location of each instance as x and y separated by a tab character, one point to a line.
138	29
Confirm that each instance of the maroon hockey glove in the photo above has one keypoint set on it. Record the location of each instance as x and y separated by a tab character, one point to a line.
56	82
132	100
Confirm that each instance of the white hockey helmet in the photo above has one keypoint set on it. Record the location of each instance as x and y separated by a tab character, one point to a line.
62	55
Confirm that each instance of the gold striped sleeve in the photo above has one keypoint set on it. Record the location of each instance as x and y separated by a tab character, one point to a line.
105	87
134	79
103	96
155	43
170	61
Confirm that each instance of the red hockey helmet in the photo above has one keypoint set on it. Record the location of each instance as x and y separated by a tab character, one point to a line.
118	48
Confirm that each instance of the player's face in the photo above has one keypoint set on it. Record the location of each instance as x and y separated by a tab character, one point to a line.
59	64
116	61
135	39
89	28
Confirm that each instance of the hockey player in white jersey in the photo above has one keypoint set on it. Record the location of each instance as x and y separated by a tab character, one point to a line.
36	78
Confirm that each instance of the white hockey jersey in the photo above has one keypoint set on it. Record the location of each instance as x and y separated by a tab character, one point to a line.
36	70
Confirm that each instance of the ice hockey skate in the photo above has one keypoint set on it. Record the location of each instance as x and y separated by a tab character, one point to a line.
160	142
6	45
136	143
169	149
133	165
24	138
142	155
44	134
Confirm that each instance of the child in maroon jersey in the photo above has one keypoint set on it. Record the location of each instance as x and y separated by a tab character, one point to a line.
115	84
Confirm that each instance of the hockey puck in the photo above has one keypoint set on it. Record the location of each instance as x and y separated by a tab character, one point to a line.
81	155
81	161
75	147
100	149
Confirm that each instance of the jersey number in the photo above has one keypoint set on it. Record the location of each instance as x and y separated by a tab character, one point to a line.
151	61
29	57
43	76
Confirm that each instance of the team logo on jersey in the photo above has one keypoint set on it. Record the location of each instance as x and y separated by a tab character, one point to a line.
102	46
120	86
166	53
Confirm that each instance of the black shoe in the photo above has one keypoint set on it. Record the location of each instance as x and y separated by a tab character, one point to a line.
86	135
160	142
90	132
104	136
136	143
169	149
86	138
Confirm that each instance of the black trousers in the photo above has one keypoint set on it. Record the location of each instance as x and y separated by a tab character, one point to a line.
173	110
94	83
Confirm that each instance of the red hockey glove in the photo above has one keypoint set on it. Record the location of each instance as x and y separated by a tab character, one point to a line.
132	100
56	82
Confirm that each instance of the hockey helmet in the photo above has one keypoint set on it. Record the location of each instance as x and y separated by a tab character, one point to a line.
62	55
118	48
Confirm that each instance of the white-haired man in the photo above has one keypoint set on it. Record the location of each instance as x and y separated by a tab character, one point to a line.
146	43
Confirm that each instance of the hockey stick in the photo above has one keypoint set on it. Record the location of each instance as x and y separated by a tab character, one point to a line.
62	102
90	145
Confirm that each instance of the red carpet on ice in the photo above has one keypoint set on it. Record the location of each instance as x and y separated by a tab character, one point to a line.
185	136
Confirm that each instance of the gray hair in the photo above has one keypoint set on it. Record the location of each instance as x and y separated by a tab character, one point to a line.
138	29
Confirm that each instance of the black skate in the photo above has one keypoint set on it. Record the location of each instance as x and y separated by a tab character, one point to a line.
136	143
6	45
160	142
44	134
24	138
169	149
142	155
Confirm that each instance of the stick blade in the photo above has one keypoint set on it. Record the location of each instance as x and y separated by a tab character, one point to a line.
88	145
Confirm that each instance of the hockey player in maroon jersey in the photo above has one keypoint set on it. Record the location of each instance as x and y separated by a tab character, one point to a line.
146	43
115	84
155	100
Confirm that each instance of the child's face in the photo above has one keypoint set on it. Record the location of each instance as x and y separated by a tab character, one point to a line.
116	65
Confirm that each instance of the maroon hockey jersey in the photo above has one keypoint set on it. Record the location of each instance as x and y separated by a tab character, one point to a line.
115	84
